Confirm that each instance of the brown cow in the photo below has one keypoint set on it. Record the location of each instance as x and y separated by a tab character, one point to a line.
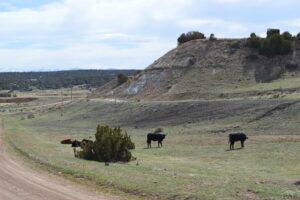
66	141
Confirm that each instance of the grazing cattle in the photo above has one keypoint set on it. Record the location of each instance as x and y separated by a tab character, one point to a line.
76	143
66	141
234	137
155	137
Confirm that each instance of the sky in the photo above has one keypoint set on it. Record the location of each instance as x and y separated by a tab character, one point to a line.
42	35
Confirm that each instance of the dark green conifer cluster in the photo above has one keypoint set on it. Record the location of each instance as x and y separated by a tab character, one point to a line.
111	145
274	44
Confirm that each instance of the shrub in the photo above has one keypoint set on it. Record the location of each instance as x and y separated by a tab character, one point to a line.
254	41
212	37
122	79
252	35
193	35
272	31
287	36
182	39
111	145
275	45
298	36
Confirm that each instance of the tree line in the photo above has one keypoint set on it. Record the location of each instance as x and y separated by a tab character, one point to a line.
26	81
274	44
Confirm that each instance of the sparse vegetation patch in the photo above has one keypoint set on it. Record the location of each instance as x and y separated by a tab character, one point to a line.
122	78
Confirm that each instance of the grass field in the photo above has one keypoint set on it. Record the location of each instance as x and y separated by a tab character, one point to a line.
193	164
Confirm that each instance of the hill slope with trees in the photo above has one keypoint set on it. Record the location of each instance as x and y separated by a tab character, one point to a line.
210	68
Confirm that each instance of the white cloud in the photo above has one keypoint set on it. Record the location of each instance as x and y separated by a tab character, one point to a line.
110	33
84	55
80	33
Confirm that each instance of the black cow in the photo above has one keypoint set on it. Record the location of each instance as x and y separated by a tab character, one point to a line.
155	137
76	143
234	137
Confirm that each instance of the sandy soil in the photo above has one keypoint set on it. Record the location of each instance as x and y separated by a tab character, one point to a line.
18	182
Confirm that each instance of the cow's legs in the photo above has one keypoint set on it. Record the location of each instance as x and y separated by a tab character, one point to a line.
75	152
149	143
159	143
231	145
242	143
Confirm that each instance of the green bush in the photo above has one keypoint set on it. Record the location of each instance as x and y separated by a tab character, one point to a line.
272	31
298	36
111	145
287	36
122	79
254	41
212	37
193	35
274	44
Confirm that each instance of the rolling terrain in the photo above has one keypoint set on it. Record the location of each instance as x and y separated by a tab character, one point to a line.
198	93
194	162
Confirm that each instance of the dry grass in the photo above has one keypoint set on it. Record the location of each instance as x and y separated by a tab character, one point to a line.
194	162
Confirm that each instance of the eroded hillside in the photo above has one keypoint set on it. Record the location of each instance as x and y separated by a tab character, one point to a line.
204	69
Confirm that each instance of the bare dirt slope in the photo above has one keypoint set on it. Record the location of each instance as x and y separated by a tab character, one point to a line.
18	182
203	69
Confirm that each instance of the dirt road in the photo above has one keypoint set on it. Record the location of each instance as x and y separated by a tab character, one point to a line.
18	182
